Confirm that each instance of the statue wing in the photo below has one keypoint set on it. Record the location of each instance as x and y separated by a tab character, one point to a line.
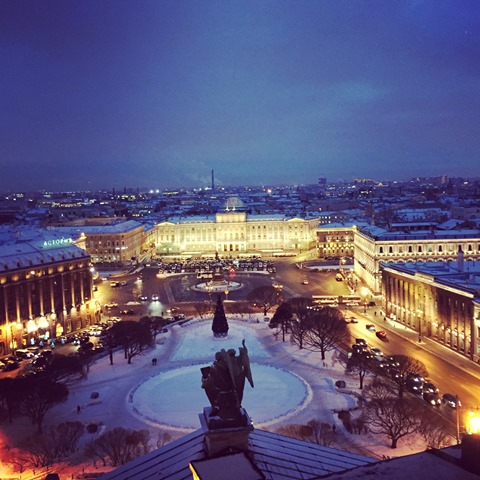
245	362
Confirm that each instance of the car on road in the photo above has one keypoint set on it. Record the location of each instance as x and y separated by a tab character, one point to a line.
127	311
382	334
429	387
361	341
278	286
377	352
451	400
24	353
123	283
370	327
114	284
11	364
154	297
353	320
393	362
414	383
360	349
143	298
305	282
111	305
432	399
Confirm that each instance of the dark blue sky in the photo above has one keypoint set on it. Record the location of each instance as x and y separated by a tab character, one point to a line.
157	93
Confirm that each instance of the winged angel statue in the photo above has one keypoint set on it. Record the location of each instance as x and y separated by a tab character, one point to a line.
224	382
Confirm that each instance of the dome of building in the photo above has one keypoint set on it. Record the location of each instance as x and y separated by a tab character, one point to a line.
234	203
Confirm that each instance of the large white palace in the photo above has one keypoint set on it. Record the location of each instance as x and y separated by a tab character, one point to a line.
234	233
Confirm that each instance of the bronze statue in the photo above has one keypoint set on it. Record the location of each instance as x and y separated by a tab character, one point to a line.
224	382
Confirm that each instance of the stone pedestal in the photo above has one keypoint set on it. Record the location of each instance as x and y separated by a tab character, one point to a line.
225	434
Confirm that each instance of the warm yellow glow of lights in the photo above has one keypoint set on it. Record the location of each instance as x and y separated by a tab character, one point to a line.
473	423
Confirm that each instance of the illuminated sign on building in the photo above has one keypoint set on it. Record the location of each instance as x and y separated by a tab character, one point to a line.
56	242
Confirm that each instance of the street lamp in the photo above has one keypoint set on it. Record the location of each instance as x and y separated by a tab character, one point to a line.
226	293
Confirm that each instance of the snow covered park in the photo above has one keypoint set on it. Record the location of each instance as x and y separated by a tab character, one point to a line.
290	386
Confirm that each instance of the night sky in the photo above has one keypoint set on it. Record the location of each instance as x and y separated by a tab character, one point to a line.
115	93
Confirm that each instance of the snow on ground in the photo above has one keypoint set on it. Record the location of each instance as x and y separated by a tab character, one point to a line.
171	399
197	341
291	386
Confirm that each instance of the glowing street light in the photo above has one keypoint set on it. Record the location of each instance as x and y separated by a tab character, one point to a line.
472	423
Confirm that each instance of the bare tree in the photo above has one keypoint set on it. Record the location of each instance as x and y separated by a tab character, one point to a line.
119	446
406	365
67	436
38	451
38	396
282	317
132	336
313	431
265	297
360	364
436	429
300	324
10	396
65	368
163	438
394	417
327	329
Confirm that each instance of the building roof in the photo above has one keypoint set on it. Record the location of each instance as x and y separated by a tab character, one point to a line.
108	229
21	255
275	456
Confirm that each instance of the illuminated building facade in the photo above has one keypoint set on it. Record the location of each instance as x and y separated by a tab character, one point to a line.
335	240
232	233
374	246
45	291
119	242
440	300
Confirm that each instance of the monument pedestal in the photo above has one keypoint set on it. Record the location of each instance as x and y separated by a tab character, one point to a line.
224	434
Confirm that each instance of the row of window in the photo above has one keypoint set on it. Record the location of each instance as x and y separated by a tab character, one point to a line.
426	249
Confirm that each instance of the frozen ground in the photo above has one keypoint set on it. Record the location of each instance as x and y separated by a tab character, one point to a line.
291	386
174	398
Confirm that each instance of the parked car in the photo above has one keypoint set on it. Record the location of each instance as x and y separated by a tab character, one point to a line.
377	352
127	311
11	365
361	341
23	353
111	305
155	297
393	362
432	399
381	334
143	298
370	327
414	383
353	320
451	400
429	387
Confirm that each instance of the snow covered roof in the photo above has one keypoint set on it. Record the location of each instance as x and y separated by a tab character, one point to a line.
276	456
109	229
429	465
16	256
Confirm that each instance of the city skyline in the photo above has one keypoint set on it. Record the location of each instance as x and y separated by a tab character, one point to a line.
145	94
